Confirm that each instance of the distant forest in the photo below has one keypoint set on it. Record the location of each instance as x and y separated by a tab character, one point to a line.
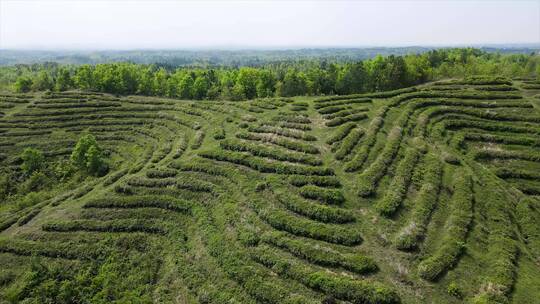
264	73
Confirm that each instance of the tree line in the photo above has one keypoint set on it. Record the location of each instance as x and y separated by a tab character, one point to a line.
289	78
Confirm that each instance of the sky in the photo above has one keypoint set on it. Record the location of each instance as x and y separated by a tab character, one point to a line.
122	24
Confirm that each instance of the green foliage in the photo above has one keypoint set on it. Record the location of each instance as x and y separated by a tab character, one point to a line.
289	78
456	231
88	156
23	84
400	184
454	290
410	236
33	160
329	196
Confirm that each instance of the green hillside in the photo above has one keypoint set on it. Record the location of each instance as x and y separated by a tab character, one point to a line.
429	194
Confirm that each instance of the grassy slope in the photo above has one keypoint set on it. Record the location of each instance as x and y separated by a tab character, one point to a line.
224	249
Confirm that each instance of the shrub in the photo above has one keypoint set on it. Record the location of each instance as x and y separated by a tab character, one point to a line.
454	290
198	139
315	211
33	160
283	132
338	286
265	151
371	137
329	196
283	220
456	231
371	176
341	133
283	142
341	120
348	144
426	200
322	181
144	201
129	225
264	166
35	182
320	255
397	190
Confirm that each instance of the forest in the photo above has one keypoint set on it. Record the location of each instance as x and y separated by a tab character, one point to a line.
280	78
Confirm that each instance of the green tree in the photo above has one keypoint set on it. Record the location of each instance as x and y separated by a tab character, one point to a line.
200	87
294	84
23	84
185	88
84	78
160	83
248	78
42	82
87	156
33	160
95	163
265	84
63	80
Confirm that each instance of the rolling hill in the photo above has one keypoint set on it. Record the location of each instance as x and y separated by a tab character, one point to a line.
429	194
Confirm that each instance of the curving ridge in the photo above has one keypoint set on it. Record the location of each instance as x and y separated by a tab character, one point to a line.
386	197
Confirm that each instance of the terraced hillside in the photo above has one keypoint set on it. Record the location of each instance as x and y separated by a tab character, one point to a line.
427	194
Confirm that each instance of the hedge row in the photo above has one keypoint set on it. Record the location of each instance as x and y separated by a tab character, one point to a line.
161	173
343	119
283	142
322	181
198	139
77	104
143	201
264	166
323	256
457	227
112	178
348	144
338	286
345	112
162	152
399	186
315	211
489	126
371	176
369	140
517	173
283	132
269	152
334	109
64	250
425	202
503	139
501	251
28	216
385	94
292	118
328	196
478	80
191	184
506	154
341	103
291	125
200	166
104	226
332	233
341	132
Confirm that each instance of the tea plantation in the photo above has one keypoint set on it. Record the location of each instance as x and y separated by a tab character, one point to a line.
429	194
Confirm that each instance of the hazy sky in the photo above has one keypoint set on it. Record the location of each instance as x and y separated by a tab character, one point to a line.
229	24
